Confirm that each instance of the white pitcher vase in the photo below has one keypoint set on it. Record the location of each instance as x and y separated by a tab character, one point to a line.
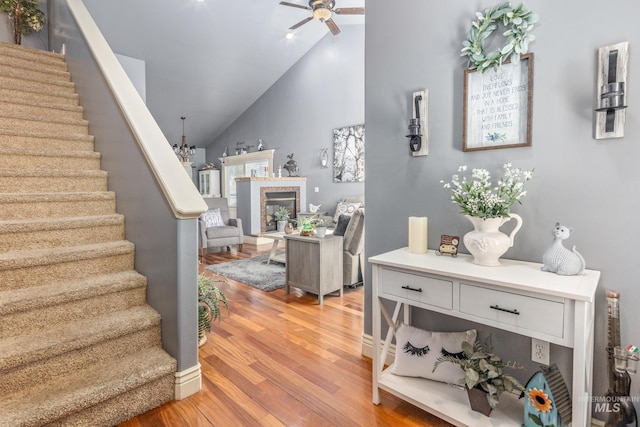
486	243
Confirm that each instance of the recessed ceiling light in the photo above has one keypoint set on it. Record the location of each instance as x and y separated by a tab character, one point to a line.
289	36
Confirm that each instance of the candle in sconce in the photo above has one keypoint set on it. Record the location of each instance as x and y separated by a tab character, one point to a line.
418	234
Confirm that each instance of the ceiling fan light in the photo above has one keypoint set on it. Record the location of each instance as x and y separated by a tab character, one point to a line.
322	13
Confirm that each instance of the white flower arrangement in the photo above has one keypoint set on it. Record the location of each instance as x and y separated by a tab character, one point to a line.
477	197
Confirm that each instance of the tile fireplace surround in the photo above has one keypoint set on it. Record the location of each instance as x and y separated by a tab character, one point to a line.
251	193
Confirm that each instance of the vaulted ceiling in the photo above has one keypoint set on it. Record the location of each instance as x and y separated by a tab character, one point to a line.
208	60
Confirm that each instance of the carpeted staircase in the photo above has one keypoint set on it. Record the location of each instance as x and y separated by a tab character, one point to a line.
78	343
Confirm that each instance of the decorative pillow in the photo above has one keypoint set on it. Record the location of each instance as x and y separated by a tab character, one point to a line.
342	224
213	218
345	208
417	351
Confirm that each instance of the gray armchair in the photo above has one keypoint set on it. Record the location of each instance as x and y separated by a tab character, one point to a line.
221	236
353	257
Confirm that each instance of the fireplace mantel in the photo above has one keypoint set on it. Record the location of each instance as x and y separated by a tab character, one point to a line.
262	178
248	192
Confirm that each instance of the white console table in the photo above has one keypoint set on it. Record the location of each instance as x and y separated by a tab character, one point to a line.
513	296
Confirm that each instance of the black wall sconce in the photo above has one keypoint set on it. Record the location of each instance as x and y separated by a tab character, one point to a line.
418	133
610	112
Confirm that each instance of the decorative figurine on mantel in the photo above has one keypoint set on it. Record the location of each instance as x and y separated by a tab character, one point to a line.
260	145
560	260
291	166
314	208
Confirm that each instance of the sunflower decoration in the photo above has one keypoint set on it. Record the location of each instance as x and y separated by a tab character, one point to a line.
540	400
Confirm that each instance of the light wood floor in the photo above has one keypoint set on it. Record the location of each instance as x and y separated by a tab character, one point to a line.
283	360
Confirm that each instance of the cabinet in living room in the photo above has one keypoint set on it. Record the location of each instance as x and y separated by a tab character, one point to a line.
513	297
209	180
314	264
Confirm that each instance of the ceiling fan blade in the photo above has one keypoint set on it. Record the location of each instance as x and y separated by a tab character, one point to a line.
349	11
286	3
301	23
332	27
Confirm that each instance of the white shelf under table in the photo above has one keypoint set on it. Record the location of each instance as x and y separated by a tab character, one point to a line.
451	403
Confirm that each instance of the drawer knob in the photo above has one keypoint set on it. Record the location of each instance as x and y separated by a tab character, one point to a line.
409	288
497	307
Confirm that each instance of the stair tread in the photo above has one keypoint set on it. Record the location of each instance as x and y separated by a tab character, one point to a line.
65	337
47	135
56	197
50	153
39	81
43	224
39	93
32	52
34	257
39	297
42	104
20	71
52	173
52	400
40	118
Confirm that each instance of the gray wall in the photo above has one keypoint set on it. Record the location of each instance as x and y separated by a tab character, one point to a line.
321	92
166	248
587	184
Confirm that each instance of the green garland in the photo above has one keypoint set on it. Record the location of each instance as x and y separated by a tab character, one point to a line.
519	23
25	16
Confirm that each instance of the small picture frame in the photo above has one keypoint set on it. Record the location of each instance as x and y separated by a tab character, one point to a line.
498	105
448	245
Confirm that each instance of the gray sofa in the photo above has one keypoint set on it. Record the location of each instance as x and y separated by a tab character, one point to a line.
353	256
230	234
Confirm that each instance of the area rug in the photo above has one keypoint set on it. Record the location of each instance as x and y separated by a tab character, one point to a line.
254	272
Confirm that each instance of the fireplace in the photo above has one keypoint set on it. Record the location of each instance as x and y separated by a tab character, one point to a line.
272	199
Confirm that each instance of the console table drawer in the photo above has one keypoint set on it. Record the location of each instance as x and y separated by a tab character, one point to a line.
424	289
525	312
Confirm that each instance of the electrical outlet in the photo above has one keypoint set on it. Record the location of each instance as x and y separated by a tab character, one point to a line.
540	351
316	189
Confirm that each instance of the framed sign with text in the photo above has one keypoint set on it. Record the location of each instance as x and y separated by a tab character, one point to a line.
497	106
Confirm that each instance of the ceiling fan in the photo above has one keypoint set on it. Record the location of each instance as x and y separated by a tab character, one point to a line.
322	11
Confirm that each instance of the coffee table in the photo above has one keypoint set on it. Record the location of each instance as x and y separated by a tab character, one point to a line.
277	236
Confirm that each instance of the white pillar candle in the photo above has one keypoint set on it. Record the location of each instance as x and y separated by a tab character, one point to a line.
418	234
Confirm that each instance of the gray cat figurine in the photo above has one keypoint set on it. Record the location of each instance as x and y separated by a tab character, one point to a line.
560	260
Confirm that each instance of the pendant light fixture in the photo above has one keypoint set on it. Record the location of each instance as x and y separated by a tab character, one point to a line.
184	152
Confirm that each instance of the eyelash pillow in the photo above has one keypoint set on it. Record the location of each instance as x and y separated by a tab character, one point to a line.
417	351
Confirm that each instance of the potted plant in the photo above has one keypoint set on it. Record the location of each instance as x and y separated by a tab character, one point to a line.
321	227
307	228
484	376
281	216
24	15
210	302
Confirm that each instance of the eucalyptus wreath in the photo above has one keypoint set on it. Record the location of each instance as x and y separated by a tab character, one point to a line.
518	23
24	15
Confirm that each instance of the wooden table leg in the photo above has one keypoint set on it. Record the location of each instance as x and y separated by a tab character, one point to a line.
274	250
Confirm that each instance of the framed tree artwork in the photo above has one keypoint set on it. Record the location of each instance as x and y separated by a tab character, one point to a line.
497	106
348	154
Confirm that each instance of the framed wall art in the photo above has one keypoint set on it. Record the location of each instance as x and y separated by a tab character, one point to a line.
348	154
498	105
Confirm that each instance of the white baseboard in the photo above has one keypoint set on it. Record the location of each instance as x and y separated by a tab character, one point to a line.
367	351
188	382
